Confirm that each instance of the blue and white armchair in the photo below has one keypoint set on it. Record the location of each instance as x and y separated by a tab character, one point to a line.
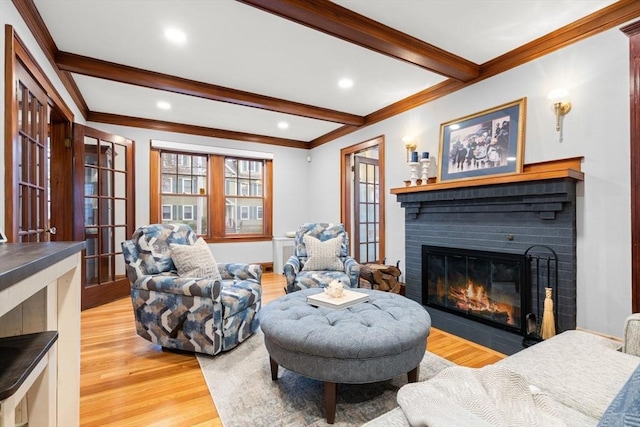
321	255
189	313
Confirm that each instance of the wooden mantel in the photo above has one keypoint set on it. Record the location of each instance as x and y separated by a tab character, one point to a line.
563	168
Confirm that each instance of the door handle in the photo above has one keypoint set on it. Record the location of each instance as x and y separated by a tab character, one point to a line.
52	231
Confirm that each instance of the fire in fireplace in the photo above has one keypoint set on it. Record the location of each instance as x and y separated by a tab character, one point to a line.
489	287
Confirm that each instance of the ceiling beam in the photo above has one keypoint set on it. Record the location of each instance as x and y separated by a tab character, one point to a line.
337	21
125	74
138	122
609	17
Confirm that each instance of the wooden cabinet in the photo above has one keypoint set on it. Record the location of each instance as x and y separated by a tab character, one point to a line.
40	291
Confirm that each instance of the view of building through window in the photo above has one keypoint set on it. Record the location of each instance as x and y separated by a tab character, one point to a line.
187	196
243	196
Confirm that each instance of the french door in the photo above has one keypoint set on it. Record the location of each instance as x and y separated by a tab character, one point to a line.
366	205
104	180
27	215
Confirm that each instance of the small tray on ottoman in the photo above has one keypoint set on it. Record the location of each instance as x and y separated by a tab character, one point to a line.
348	299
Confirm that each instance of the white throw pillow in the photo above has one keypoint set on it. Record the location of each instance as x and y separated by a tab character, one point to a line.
195	260
323	255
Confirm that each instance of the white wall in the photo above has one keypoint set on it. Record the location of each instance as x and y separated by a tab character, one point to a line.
596	73
290	191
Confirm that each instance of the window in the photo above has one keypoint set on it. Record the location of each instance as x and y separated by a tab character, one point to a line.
167	213
187	212
234	192
244	212
167	185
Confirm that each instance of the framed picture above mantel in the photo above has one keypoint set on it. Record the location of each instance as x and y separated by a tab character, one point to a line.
484	144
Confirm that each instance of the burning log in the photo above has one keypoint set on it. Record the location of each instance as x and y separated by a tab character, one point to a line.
476	300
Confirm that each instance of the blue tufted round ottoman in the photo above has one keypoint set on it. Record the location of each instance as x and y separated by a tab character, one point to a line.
368	342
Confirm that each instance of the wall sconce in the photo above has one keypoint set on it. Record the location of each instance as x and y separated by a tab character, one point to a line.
410	145
560	104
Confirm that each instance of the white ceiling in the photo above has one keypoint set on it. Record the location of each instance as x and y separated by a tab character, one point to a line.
234	45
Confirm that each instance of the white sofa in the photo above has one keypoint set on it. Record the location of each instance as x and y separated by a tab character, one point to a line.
577	373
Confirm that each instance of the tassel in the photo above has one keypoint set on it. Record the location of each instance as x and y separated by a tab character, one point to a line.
548	326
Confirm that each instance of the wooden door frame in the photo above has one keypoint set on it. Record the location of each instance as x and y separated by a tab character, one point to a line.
633	32
15	51
346	186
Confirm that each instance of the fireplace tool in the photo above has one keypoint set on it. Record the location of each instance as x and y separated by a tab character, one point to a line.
542	268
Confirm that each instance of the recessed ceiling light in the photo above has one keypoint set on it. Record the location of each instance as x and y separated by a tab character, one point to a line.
163	105
345	83
283	125
175	35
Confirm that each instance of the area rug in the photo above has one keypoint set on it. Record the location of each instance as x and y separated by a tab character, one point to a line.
244	394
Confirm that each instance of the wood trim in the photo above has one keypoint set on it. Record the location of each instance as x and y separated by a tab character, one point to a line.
78	190
216	198
155	216
267	210
605	19
335	20
633	32
39	75
565	168
150	79
62	181
10	134
193	130
29	13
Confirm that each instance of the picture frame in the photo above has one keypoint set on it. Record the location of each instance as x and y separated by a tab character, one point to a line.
485	144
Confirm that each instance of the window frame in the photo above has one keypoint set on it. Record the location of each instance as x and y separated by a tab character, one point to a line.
216	227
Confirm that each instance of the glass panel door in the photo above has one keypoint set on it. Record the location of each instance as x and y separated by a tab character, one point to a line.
367	210
107	220
32	156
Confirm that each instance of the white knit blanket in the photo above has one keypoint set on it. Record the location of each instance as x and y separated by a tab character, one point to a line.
490	396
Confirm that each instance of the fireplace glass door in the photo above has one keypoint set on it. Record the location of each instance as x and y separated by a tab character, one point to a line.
485	286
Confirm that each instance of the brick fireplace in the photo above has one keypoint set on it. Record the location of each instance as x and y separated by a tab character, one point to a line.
506	216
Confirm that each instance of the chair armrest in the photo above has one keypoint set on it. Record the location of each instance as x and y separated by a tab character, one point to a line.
291	268
240	271
352	269
170	283
632	335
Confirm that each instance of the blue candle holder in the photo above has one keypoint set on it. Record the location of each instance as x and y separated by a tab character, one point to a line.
414	156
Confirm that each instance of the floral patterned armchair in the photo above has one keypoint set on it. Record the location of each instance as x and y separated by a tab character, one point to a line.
321	255
188	313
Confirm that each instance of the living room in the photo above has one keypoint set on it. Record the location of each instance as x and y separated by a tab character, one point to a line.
595	71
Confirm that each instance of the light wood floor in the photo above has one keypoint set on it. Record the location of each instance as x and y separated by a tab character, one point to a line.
127	381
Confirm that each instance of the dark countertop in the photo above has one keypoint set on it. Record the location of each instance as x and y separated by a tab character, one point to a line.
21	260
